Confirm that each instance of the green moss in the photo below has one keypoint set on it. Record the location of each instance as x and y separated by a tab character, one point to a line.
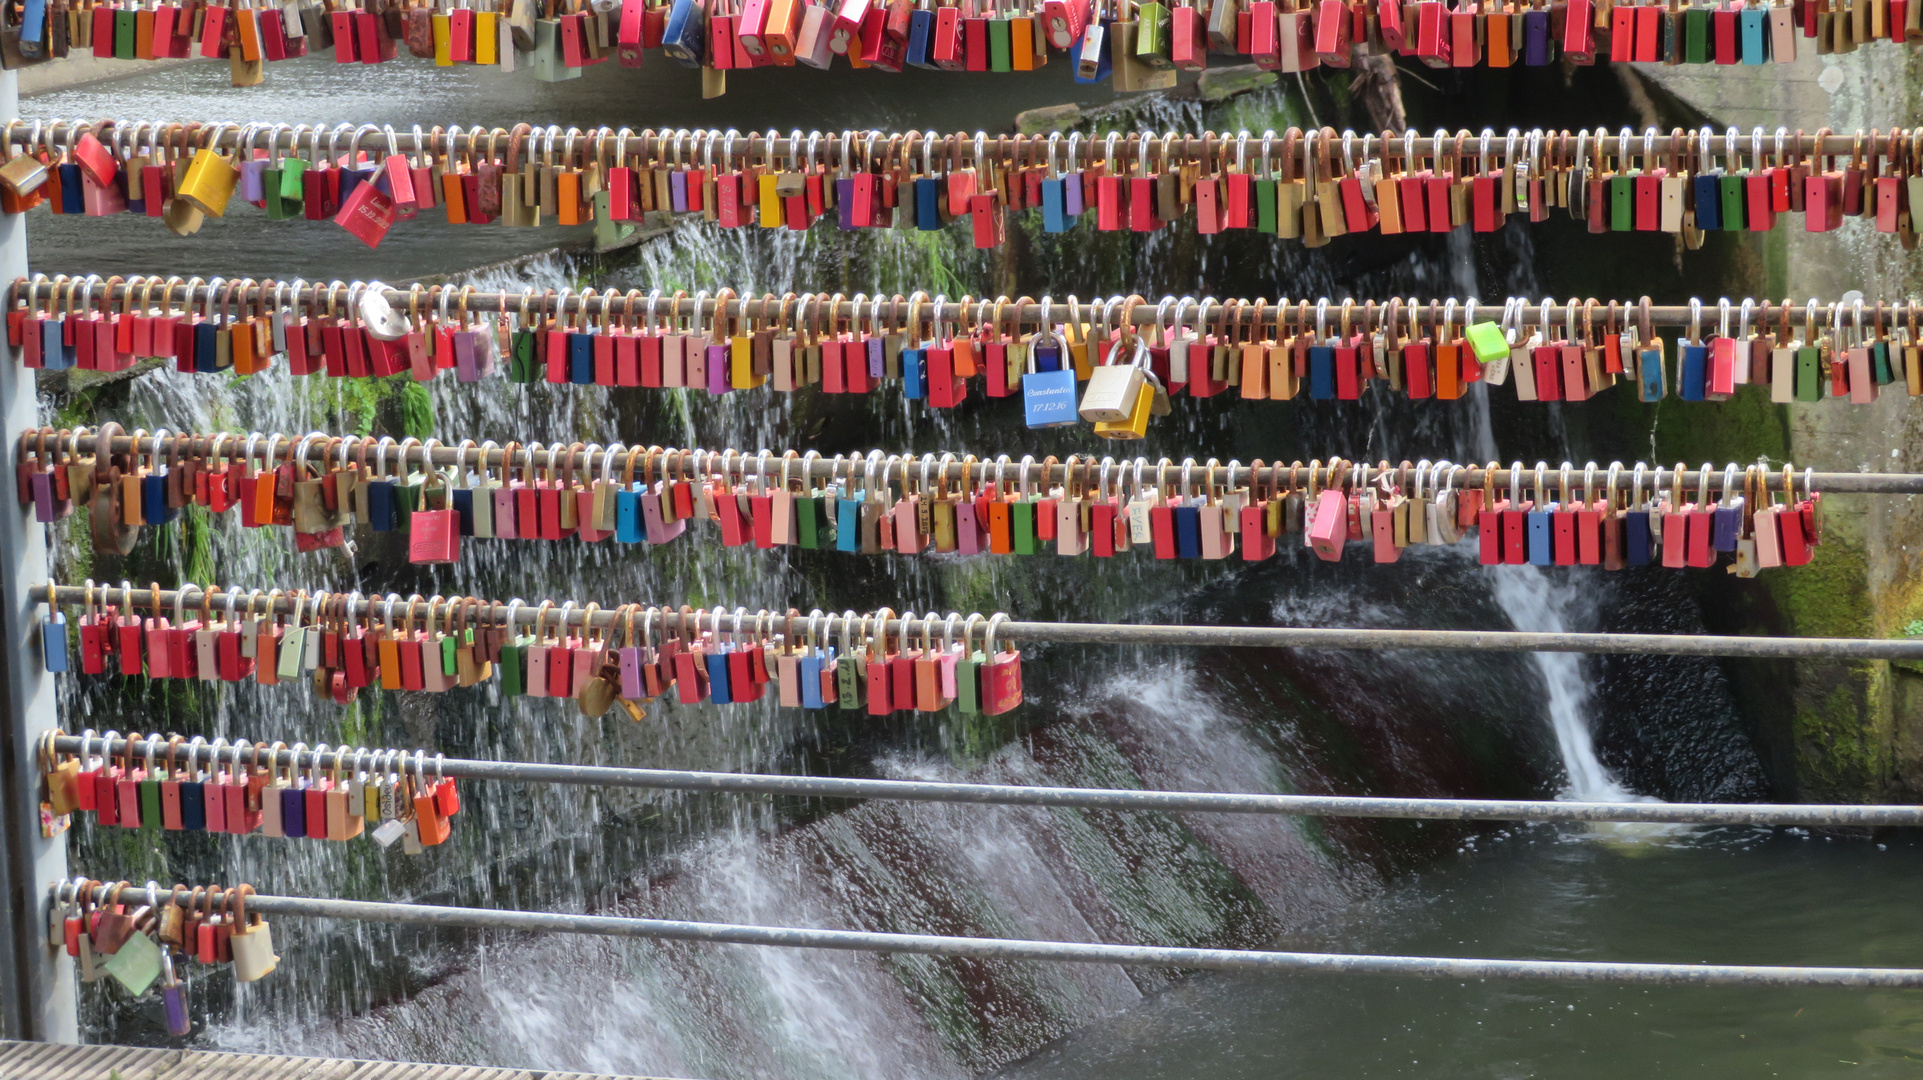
1268	110
1830	596
1743	428
1841	755
417	409
355	402
77	554
196	544
1775	245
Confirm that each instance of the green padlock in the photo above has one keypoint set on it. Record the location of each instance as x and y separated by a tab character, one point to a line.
126	29
513	665
1000	55
1622	203
1696	35
408	498
607	231
1809	373
1265	217
149	793
848	683
1489	342
291	169
968	683
806	511
520	363
137	964
270	196
548	64
1153	31
1021	525
1731	190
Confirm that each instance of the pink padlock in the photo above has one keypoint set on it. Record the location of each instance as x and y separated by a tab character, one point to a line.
1330	528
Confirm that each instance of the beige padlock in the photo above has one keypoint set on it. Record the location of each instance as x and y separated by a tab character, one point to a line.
1113	388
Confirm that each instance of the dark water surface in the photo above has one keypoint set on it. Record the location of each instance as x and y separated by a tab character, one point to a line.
1721	896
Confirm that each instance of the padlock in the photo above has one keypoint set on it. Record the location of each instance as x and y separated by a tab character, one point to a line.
1113	392
811	40
1064	21
252	939
685	38
210	180
1135	424
1048	397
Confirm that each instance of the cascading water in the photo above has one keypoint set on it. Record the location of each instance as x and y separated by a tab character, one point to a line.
1533	603
1527	594
1167	719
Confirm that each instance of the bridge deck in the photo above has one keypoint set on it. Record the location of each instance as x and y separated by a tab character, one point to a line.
53	1061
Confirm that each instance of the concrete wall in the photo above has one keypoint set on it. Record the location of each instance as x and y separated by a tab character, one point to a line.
1850	731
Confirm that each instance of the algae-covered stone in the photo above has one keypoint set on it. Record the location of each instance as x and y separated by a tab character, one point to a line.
1048	118
1220	84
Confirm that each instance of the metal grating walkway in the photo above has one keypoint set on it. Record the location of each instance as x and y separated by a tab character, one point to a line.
55	1061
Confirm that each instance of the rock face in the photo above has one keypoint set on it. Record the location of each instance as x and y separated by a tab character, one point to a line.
1220	84
1847	731
1048	118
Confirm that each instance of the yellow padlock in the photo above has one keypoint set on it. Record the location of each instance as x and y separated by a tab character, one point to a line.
441	25
486	30
770	202
1136	426
741	367
210	180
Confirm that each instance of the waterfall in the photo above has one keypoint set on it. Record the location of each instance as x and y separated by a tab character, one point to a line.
1528	594
1534	603
1161	719
610	1005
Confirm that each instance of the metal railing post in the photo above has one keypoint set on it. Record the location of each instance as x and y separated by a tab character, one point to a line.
37	992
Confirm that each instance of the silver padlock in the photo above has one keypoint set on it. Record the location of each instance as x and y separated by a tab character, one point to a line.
1113	387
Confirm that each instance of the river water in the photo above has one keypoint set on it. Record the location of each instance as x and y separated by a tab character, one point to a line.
1406	724
1717	896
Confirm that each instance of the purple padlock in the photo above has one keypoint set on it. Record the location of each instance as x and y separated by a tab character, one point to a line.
631	687
173	995
1535	38
845	202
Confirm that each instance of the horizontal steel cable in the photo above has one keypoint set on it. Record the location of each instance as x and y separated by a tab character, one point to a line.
1347	806
429	915
883	467
83	292
1270	637
872	148
1318	187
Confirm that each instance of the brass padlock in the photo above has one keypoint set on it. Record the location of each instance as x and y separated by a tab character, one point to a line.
1135	425
1113	388
210	178
23	174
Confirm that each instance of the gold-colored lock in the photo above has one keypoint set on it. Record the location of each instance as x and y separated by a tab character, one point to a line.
1136	426
210	178
23	174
